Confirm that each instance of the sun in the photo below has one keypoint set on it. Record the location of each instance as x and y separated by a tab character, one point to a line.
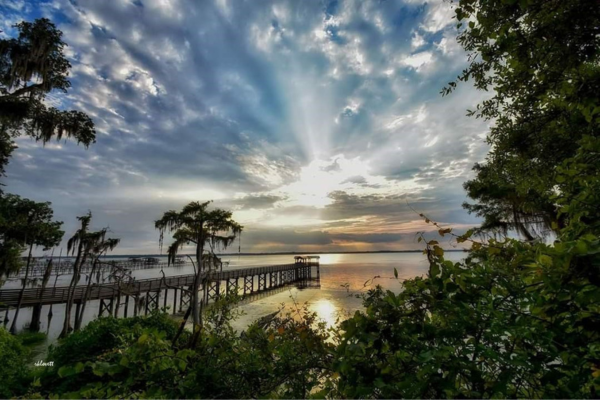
320	178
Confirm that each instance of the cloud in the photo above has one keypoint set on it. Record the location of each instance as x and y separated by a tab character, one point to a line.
258	201
439	15
419	60
356	179
314	122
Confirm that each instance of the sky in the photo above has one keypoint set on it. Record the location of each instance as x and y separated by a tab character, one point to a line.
320	124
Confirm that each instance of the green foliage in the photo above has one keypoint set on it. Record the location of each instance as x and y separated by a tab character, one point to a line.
541	59
24	223
288	358
578	188
32	65
107	333
13	368
97	341
513	320
29	338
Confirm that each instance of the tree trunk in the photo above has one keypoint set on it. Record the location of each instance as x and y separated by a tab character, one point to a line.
196	288
13	327
36	315
182	324
79	318
69	305
37	309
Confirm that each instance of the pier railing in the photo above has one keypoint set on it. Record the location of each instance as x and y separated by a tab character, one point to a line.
56	295
65	268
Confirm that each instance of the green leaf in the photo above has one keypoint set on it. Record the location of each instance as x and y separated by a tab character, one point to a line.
79	367
115	369
545	260
426	356
143	339
581	247
182	365
66	371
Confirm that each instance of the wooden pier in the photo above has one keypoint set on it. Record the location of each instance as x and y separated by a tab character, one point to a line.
145	295
38	269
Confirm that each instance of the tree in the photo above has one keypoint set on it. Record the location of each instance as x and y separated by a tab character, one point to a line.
541	59
31	66
503	207
97	251
30	225
196	225
11	245
81	244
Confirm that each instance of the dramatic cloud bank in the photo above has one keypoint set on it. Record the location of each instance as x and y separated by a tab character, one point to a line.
319	124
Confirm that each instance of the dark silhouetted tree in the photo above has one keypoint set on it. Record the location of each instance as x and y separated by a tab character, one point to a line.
30	225
98	250
32	65
82	245
196	225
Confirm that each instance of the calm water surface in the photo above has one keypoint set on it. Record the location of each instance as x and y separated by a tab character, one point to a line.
330	301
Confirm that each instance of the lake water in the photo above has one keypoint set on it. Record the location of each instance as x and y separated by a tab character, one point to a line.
341	276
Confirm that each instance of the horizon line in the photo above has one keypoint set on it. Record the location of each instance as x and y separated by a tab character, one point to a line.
287	253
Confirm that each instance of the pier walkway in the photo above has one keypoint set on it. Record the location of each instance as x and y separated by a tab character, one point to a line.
147	293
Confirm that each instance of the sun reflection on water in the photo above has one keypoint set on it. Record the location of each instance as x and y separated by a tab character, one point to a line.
326	311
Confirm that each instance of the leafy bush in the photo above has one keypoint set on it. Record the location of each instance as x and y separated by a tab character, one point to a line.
289	358
13	366
107	333
95	341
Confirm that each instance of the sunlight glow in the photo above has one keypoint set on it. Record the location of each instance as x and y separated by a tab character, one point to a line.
326	311
329	259
320	178
311	192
